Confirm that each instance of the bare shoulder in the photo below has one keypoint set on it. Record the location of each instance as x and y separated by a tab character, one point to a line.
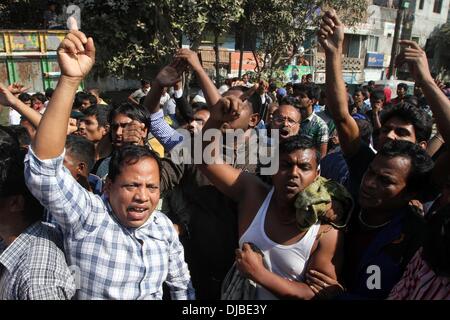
256	191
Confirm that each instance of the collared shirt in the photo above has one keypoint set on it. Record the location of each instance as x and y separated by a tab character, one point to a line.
114	262
315	128
33	267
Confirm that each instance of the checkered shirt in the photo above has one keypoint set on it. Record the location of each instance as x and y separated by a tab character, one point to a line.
164	133
33	266
315	128
114	262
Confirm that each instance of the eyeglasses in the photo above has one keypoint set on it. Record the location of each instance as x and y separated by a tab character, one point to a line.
280	120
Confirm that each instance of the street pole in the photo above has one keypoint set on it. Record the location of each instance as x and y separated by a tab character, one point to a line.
398	24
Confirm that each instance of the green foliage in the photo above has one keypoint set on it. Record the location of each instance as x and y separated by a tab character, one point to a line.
133	35
283	25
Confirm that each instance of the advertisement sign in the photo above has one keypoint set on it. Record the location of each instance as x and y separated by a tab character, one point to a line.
294	73
374	60
248	61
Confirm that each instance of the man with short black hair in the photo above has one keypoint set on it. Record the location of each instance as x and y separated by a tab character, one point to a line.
402	90
32	263
123	248
312	125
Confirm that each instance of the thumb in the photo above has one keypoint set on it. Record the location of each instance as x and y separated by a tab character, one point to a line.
90	48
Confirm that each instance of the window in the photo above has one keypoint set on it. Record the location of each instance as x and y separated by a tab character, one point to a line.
437	6
372	44
354	46
421	4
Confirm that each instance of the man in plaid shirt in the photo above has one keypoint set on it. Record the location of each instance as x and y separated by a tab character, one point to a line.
32	263
122	247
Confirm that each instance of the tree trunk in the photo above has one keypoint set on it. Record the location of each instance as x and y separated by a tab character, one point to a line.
216	51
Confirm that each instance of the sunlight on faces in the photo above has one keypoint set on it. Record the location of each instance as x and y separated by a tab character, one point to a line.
134	194
118	124
286	119
396	129
297	171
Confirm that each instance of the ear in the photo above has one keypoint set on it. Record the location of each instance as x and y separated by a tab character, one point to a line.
106	130
81	168
254	120
144	133
107	186
423	145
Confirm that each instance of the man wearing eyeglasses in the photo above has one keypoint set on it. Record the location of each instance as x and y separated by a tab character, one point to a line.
287	120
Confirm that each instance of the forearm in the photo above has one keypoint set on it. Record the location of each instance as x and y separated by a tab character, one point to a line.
32	115
51	134
336	92
376	120
337	101
440	105
284	288
210	91
152	100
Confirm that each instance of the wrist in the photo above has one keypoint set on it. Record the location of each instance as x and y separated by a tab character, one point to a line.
72	81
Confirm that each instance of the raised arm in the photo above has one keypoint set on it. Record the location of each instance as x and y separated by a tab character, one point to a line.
416	59
7	98
76	56
331	37
168	76
230	181
210	91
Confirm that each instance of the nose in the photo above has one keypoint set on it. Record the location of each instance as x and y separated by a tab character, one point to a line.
119	131
141	195
294	172
391	135
369	182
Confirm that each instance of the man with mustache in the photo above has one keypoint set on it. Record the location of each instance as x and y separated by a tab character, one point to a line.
267	217
122	246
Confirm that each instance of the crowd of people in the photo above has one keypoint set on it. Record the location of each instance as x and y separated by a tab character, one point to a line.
94	206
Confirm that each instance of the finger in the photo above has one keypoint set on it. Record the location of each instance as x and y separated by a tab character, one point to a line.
72	24
331	14
328	21
76	41
413	44
314	289
80	35
68	46
326	28
90	48
246	247
323	34
314	281
321	276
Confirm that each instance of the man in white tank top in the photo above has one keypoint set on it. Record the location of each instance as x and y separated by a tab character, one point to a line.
267	218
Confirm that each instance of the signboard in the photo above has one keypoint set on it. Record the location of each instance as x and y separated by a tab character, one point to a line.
24	42
294	73
374	60
52	41
248	61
